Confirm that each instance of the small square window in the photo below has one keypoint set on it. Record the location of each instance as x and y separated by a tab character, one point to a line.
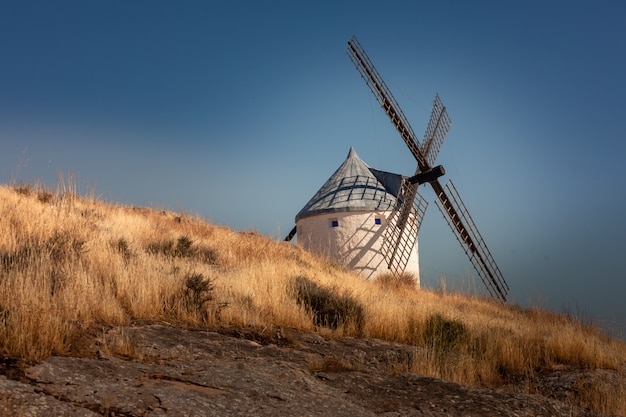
334	223
378	220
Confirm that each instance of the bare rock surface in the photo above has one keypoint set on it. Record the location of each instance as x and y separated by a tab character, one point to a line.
175	372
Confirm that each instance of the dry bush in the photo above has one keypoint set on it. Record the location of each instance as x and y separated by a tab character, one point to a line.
403	280
444	335
327	307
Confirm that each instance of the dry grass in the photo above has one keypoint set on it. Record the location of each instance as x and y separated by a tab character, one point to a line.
68	262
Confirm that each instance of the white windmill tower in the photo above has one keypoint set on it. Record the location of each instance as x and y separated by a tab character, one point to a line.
348	219
396	241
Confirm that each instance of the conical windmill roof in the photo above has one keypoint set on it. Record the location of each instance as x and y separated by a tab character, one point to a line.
354	187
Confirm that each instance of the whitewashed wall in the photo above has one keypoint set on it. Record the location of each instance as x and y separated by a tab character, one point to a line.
355	243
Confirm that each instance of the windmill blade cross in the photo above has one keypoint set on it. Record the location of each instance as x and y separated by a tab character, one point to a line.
448	200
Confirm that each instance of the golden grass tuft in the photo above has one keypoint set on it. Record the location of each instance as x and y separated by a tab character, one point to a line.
68	262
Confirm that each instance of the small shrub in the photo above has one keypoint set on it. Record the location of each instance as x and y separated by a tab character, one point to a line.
328	308
63	246
164	248
183	247
60	247
121	246
206	254
197	292
444	335
44	196
397	281
18	259
23	189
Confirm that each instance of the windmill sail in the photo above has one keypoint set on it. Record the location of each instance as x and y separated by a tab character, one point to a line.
426	154
456	214
385	98
400	235
436	131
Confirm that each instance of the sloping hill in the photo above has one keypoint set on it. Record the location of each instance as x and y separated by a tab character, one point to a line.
74	271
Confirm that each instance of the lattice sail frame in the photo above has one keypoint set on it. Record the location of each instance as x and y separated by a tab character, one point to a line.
473	243
400	236
436	131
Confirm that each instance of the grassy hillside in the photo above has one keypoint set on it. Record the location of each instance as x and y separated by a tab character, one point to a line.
69	264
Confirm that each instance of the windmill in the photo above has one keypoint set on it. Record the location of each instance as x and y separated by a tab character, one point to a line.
409	210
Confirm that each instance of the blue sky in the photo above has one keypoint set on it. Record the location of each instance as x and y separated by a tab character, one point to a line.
239	111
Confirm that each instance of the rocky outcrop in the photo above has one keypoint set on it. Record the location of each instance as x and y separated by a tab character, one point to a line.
169	371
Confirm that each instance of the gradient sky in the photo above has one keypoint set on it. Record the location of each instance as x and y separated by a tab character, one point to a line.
239	111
